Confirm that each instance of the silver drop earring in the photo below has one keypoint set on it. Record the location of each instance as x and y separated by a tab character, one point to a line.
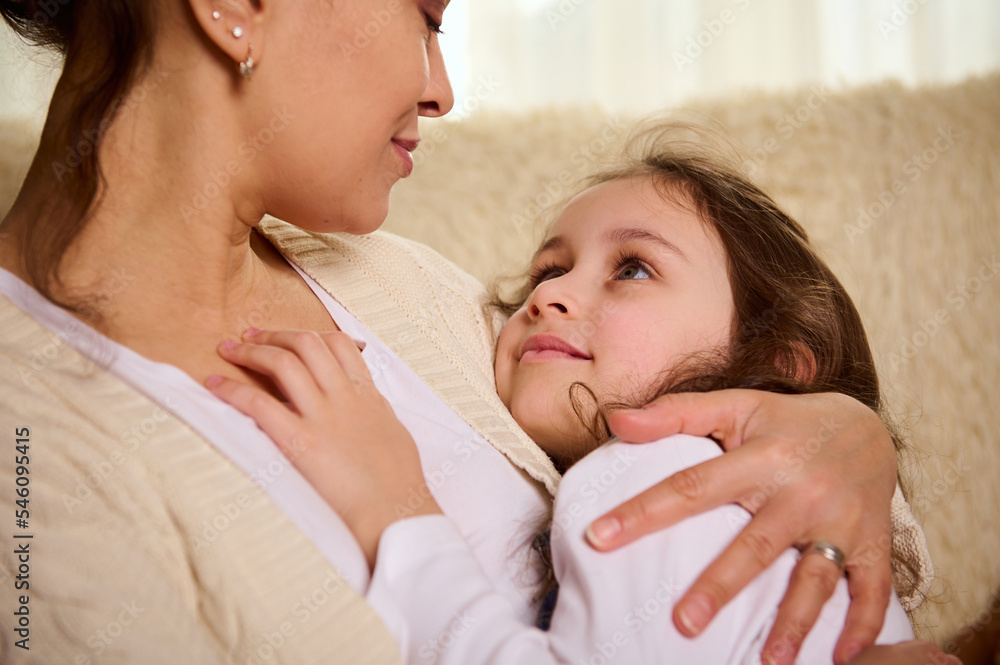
246	67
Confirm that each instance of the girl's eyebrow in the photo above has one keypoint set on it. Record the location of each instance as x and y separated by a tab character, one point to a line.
555	242
631	234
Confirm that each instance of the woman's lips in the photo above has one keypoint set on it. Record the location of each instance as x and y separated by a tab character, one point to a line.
403	148
550	347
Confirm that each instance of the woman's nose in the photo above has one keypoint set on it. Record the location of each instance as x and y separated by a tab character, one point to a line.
438	98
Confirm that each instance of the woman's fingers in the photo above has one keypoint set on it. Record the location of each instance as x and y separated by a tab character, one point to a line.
271	415
869	580
721	480
814	580
812	467
721	415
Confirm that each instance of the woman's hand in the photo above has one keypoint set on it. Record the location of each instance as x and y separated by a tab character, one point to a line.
809	467
338	431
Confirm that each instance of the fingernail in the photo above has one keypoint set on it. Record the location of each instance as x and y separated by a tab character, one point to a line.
604	530
695	613
852	651
250	332
228	344
213	380
361	344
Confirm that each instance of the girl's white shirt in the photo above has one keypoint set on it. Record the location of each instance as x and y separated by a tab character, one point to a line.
613	607
493	504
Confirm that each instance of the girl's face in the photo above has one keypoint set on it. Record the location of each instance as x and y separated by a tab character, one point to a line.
625	285
342	85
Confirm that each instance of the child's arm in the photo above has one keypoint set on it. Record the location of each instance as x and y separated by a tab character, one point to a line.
345	439
339	431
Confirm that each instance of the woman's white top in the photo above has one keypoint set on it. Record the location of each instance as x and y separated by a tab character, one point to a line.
490	501
613	607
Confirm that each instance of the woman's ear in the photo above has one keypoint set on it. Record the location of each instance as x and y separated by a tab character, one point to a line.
803	363
237	27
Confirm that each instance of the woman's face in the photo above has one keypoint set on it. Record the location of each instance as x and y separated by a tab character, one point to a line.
341	85
626	285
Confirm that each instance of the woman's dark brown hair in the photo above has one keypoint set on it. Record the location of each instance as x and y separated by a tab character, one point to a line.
105	44
794	329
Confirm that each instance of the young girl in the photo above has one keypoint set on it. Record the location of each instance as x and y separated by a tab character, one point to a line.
671	270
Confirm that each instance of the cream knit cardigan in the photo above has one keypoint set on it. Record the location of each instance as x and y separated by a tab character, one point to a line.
150	547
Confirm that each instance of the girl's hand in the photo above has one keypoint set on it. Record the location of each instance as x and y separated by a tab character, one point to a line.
810	468
917	652
338	431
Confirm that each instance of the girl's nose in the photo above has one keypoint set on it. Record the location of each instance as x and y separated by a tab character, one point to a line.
549	298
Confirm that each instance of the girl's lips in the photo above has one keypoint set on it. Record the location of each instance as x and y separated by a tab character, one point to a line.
403	148
550	347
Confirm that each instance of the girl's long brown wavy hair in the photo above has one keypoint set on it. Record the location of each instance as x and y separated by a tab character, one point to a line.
794	330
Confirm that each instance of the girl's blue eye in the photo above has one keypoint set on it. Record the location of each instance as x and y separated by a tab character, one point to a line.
633	270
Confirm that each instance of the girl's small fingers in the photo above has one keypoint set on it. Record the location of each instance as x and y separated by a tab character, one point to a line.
271	415
292	377
348	355
312	350
814	580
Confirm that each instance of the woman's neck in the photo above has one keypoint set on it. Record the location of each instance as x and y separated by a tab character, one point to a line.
168	260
